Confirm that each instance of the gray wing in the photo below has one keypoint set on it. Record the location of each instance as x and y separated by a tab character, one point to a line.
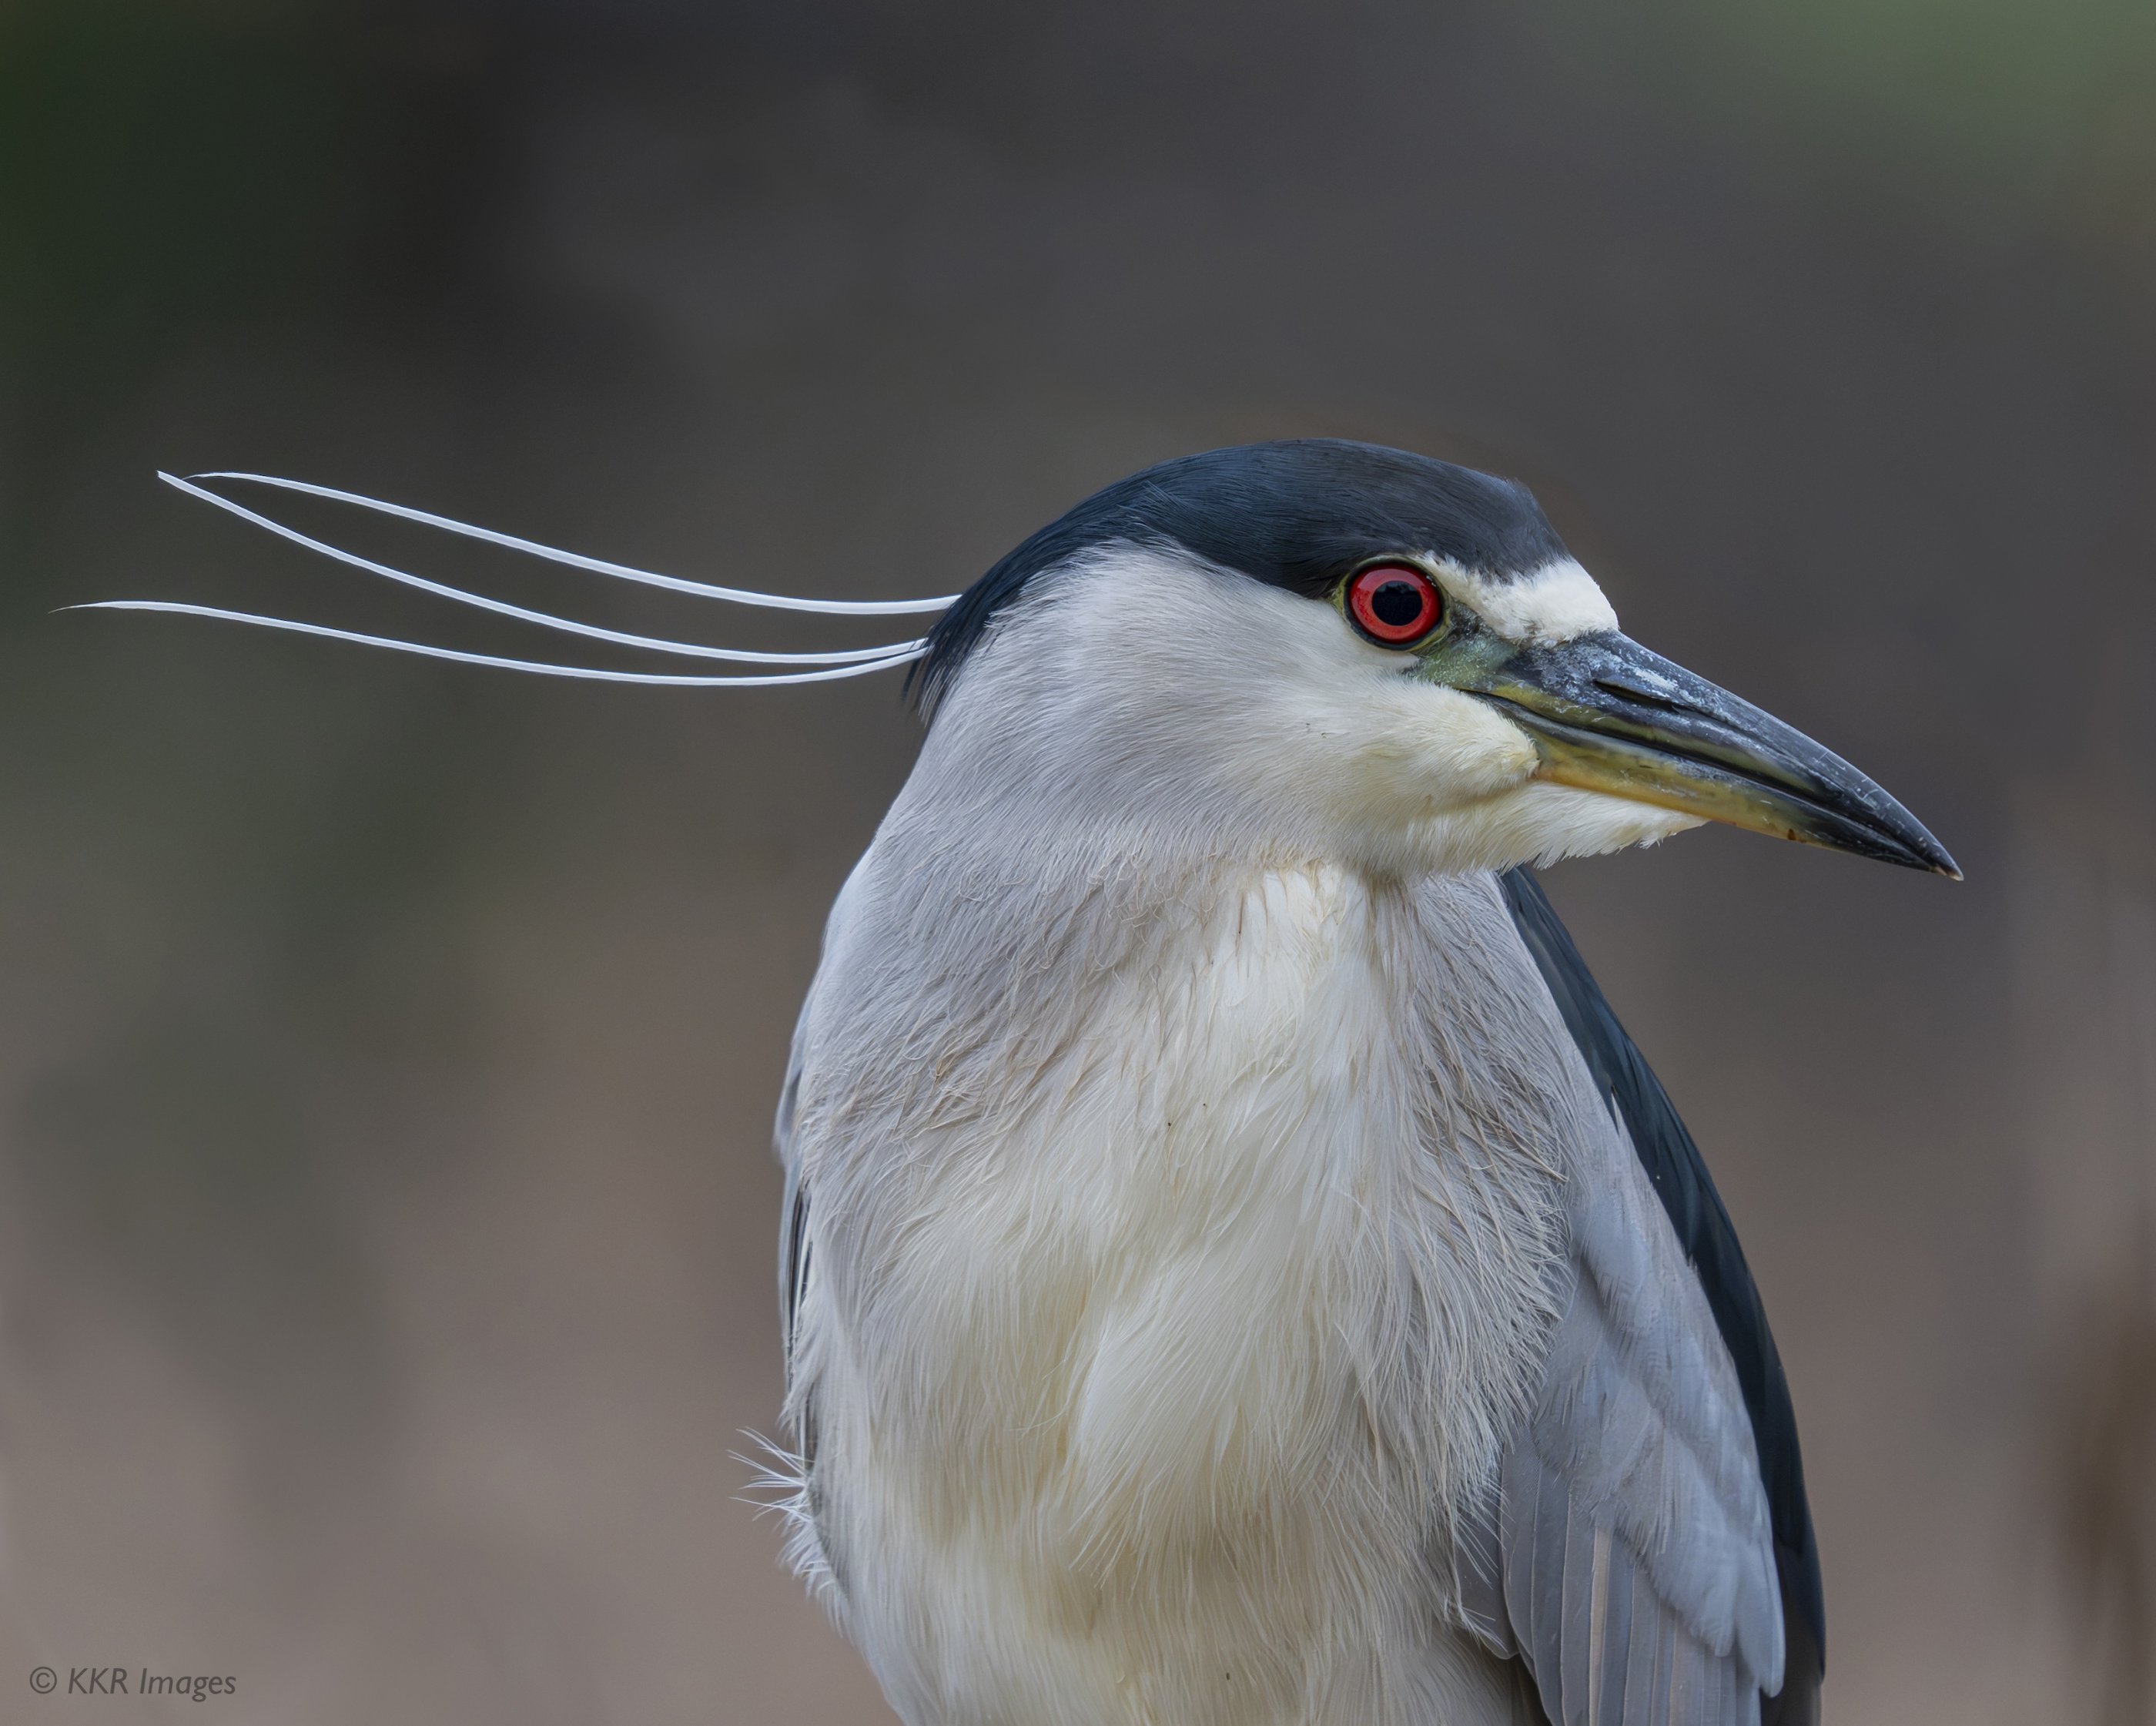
1629	1558
1629	1563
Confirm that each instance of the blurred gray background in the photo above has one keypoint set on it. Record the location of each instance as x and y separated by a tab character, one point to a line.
385	1209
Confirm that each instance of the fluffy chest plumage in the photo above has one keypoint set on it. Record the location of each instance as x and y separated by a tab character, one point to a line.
1151	1351
1163	1231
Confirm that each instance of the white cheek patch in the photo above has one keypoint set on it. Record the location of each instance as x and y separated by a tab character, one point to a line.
1550	605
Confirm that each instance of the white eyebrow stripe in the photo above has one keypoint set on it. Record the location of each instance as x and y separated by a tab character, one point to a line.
1553	603
591	673
544	619
597	566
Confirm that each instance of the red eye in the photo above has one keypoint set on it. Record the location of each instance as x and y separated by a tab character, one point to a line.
1394	605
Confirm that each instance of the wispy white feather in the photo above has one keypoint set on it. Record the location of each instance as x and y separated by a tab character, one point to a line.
544	619
597	566
782	1477
590	673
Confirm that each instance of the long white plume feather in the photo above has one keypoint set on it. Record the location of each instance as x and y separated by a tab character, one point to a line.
599	565
546	620
591	673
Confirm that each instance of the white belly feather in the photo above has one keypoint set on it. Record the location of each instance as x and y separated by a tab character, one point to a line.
1139	1394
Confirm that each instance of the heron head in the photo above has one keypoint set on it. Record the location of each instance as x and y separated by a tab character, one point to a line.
1332	649
1310	651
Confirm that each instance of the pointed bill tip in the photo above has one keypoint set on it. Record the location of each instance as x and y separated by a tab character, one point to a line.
1924	851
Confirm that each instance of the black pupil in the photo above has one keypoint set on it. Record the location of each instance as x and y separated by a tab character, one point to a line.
1398	604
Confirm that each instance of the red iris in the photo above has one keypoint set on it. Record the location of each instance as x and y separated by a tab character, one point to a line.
1394	605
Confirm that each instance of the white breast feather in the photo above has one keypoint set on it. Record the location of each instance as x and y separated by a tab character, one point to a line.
1147	1371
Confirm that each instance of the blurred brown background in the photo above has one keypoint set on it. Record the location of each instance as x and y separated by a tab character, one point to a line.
386	1211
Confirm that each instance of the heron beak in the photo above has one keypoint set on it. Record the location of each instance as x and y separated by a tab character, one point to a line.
1608	716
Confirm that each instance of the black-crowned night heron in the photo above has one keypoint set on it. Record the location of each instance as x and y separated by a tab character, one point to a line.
1236	1269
